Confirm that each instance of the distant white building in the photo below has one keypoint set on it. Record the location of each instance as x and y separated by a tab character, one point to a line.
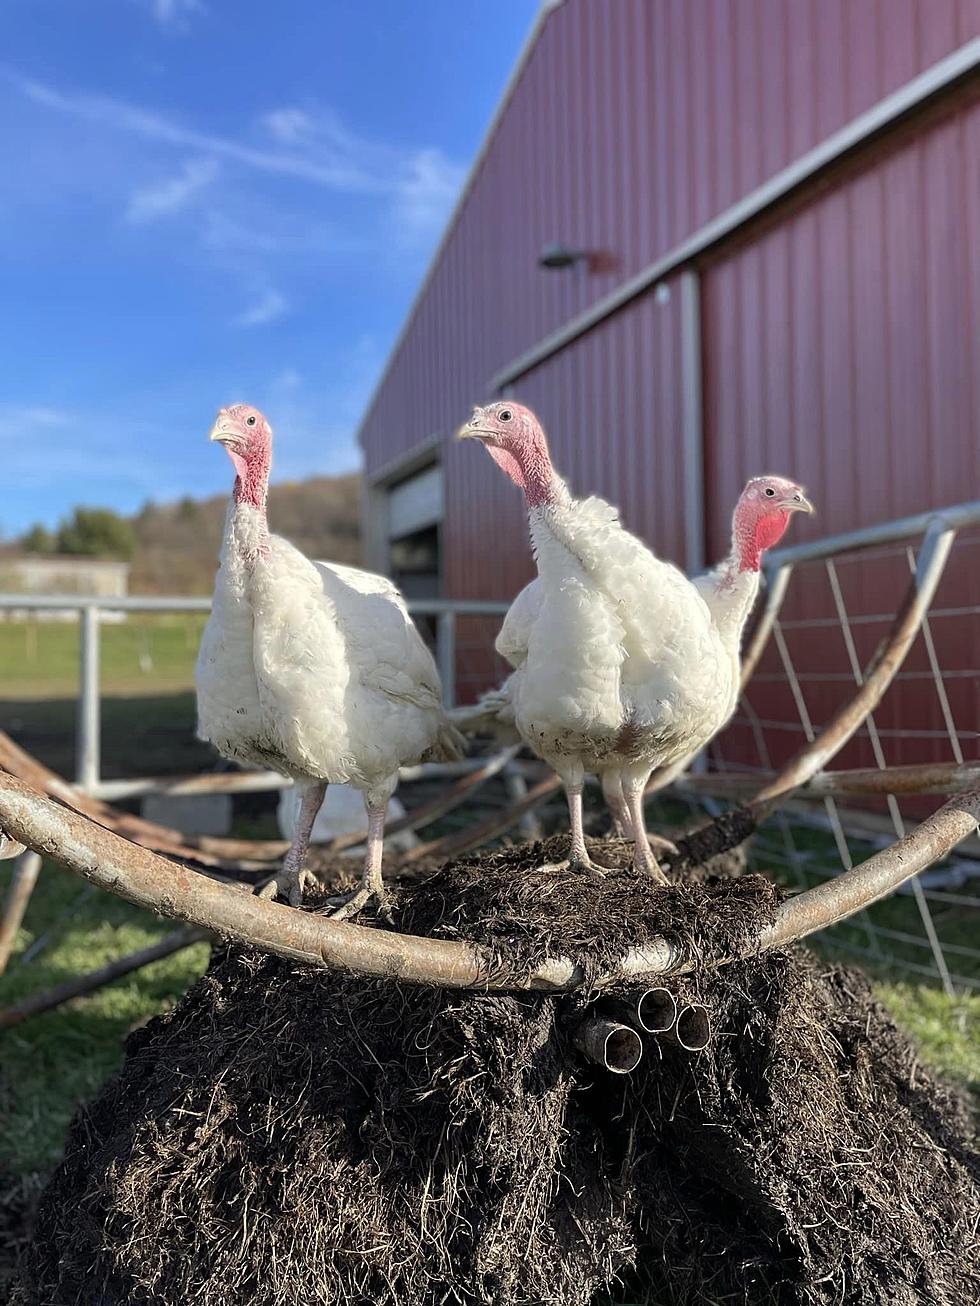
39	573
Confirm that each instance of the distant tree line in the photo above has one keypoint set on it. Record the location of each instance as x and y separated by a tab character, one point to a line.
87	533
174	546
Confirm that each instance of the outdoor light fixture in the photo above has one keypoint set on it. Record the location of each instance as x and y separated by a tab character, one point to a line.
560	256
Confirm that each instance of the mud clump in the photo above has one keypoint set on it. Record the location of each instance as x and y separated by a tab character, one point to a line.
287	1137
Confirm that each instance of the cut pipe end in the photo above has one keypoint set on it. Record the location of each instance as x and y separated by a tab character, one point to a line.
693	1028
622	1050
615	1047
656	1010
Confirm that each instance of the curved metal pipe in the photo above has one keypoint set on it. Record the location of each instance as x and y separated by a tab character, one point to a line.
880	875
617	1048
847	719
140	876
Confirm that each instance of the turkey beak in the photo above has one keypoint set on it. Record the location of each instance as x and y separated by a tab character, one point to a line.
799	503
471	430
222	431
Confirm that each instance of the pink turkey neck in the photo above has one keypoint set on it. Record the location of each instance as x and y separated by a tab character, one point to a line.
754	532
252	481
532	471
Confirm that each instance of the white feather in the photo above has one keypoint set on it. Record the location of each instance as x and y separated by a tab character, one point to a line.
619	661
314	669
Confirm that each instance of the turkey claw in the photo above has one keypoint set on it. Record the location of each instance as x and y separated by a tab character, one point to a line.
662	845
287	884
582	868
355	903
651	870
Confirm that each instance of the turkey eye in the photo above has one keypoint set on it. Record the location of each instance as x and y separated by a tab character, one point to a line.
250	421
505	414
770	491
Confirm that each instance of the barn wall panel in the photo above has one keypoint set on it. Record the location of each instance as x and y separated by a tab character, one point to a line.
631	126
841	349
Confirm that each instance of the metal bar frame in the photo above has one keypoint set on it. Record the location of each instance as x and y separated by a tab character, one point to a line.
142	877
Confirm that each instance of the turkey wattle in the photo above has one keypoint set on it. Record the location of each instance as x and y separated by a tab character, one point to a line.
621	664
310	668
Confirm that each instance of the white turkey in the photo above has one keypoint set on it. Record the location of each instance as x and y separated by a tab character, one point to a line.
621	664
310	668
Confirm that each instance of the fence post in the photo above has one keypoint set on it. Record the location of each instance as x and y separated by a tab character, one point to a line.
446	654
87	746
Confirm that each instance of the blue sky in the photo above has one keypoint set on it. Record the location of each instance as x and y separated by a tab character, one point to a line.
207	201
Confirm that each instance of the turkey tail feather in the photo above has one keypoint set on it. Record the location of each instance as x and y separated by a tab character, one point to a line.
449	745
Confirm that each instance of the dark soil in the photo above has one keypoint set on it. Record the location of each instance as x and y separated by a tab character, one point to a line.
18	1196
522	914
296	1138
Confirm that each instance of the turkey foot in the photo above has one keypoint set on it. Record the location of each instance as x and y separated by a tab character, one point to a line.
352	904
292	878
648	865
372	885
583	864
290	883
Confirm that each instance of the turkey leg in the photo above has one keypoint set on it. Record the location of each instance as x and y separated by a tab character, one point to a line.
578	853
293	879
612	791
371	885
644	860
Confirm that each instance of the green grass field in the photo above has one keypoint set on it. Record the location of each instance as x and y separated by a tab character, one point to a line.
147	678
146	651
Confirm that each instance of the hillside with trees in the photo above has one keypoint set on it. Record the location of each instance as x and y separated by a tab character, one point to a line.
173	547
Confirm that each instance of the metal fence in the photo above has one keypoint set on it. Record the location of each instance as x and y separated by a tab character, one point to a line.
91	611
830	605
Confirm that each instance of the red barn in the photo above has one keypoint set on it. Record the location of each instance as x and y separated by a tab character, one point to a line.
705	239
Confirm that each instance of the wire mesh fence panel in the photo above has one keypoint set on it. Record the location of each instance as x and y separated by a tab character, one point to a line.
838	611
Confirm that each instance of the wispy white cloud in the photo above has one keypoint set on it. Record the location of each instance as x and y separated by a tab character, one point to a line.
173	13
26	419
171	195
426	190
336	168
289	125
269	306
49	454
309	144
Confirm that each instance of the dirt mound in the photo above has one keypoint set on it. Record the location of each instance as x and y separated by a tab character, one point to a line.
514	904
290	1137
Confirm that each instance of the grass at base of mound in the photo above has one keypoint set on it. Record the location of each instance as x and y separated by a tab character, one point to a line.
52	1062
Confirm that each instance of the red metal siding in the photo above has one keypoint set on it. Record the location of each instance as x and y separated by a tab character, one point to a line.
633	124
841	348
842	344
841	341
